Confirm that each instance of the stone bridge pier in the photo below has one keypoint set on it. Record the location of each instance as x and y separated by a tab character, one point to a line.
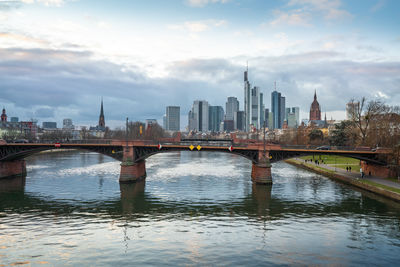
261	171
12	168
131	171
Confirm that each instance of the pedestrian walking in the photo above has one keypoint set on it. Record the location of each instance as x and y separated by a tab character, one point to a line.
347	169
350	168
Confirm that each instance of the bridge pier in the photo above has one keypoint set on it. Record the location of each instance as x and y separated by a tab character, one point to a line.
12	168
261	172
131	171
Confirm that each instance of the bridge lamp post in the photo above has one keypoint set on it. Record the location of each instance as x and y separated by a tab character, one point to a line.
264	140
126	131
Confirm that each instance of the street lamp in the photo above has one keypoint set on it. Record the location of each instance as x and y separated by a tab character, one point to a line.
126	132
264	140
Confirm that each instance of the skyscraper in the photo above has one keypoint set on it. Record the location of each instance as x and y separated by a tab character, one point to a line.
67	124
253	105
278	109
232	106
266	118
215	117
275	109
247	101
296	111
172	118
282	111
239	120
198	116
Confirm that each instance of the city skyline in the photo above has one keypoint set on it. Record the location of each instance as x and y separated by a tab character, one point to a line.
57	60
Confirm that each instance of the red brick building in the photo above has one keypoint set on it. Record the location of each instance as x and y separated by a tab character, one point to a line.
315	110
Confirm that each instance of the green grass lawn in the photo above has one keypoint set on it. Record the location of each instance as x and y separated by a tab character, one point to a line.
333	159
338	161
396	190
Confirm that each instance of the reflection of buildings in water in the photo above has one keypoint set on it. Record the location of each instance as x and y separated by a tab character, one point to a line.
132	196
100	157
11	184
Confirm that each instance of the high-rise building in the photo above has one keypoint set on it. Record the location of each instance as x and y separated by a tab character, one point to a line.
247	101
67	124
292	117
277	109
253	105
282	110
164	122
271	120
102	123
232	106
198	116
215	117
173	118
14	119
351	109
49	125
296	111
228	125
315	110
266	118
239	120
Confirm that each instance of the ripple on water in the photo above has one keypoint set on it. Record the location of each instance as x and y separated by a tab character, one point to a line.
194	209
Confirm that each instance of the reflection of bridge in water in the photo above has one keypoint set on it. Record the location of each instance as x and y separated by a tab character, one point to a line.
260	203
133	154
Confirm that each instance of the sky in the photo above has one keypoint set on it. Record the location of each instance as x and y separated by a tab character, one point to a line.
58	58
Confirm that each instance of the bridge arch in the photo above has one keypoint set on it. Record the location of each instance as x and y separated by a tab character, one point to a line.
144	153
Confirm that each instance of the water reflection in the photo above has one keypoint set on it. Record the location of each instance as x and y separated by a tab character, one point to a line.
11	184
193	209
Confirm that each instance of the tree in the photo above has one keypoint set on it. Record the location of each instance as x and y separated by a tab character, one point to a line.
316	136
363	113
343	134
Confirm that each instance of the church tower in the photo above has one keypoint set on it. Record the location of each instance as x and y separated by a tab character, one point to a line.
315	111
4	115
102	123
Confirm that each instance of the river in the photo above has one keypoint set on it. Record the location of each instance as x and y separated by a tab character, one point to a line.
194	208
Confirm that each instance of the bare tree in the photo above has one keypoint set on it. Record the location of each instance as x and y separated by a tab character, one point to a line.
363	113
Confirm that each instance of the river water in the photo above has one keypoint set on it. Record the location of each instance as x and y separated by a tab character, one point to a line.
195	208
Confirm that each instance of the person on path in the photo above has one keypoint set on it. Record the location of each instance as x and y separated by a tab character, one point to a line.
347	169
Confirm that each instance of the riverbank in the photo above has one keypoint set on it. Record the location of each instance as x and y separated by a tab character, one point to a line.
372	184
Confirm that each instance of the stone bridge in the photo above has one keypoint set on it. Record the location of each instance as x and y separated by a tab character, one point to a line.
133	154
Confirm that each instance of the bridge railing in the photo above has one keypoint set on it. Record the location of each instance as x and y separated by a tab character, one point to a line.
327	147
87	141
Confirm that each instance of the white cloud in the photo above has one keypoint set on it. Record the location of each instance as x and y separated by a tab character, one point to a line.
198	26
291	18
44	2
330	9
380	94
201	3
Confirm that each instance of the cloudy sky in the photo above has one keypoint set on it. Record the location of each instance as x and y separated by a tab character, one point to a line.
59	57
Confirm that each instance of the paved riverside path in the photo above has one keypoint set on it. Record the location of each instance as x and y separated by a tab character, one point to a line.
354	175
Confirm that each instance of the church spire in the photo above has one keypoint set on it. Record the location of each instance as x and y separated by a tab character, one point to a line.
102	123
315	95
101	109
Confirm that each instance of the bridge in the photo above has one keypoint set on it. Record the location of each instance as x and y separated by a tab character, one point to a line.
133	154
